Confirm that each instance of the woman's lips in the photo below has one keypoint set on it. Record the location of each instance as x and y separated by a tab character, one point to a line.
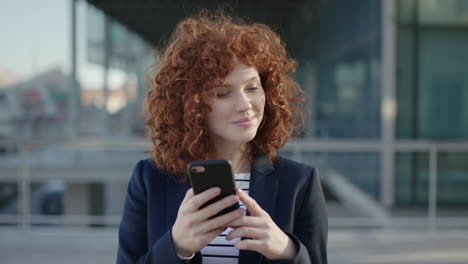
246	122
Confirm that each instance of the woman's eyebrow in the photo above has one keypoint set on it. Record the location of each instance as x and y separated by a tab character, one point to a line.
246	81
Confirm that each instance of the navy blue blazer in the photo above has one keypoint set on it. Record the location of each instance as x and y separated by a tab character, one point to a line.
289	191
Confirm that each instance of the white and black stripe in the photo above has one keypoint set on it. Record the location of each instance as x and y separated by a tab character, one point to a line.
219	250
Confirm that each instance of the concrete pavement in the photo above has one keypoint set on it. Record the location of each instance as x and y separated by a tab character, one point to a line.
78	246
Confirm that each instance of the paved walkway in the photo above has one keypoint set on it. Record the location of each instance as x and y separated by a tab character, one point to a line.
398	246
345	247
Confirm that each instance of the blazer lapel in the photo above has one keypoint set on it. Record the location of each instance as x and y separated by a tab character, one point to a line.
175	193
264	184
263	189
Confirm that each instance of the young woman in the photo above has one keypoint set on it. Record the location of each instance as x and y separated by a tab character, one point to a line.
223	91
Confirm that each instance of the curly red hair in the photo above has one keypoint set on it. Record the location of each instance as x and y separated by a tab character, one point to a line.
202	52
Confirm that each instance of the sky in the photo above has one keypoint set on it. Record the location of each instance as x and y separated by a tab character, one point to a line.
36	36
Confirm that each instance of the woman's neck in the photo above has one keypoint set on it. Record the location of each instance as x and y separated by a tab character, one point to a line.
238	156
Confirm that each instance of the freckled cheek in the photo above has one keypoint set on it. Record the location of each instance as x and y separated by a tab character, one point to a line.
219	112
259	101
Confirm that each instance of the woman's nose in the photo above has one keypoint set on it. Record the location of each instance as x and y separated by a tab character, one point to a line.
243	102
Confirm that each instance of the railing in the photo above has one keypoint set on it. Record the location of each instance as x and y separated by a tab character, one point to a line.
23	173
431	147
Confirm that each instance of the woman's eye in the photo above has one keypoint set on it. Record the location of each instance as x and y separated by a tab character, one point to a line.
223	94
253	88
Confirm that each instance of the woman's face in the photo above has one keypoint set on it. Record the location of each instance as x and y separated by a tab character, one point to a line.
237	107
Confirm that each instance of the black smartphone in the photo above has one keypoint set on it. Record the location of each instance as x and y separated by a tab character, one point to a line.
213	173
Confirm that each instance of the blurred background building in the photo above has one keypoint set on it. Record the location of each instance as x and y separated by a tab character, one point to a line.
387	114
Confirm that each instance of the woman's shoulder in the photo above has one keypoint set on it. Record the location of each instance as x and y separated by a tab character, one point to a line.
281	162
147	175
147	166
146	169
294	169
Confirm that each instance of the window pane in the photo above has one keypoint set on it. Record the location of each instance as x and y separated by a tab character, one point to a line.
405	81
432	84
411	178
453	179
47	198
454	12
412	181
348	98
8	198
443	89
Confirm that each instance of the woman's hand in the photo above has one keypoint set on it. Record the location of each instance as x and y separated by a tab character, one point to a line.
266	237
192	229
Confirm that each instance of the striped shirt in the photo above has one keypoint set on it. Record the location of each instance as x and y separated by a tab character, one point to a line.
219	250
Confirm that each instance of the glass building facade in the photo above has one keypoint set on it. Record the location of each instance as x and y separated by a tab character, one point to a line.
432	87
71	127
